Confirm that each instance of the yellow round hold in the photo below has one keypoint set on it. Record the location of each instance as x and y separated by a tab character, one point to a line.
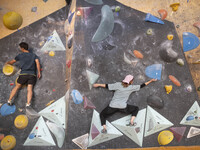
8	142
51	53
21	121
8	69
12	20
170	37
165	137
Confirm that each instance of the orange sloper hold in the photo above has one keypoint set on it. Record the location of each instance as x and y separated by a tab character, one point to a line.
162	13
174	80
138	54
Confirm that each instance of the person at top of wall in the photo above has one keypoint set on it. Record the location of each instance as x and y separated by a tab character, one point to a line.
29	64
122	90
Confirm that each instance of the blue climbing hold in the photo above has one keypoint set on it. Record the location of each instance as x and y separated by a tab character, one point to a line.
190	41
77	97
70	16
154	71
31	136
152	18
7	109
189	118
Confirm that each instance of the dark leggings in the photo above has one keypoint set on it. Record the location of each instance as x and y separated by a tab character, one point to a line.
130	109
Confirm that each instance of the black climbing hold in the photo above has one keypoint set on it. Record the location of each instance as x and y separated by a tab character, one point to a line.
155	101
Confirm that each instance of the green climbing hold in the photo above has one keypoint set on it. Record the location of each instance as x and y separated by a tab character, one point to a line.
149	31
198	89
180	62
117	9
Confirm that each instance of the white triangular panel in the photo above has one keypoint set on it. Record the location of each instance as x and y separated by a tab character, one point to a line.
135	133
82	141
193	132
155	122
56	112
92	78
42	136
112	132
193	112
53	43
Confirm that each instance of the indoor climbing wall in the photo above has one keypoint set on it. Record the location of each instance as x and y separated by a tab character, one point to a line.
112	40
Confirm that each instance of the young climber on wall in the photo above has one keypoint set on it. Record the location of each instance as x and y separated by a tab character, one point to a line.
28	63
119	101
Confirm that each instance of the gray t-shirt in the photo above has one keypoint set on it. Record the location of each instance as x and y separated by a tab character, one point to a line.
121	94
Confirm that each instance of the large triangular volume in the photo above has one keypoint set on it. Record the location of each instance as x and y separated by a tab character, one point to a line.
53	43
92	78
178	132
135	133
56	112
155	122
82	141
112	132
193	132
88	104
40	135
192	116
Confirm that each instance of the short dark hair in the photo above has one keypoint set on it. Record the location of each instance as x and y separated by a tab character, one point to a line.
24	45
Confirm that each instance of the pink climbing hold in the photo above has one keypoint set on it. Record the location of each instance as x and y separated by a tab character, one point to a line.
95	132
88	104
178	132
162	13
11	84
69	62
197	25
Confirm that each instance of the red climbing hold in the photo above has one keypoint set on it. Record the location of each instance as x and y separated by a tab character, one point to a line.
1	136
69	62
138	54
53	90
178	132
174	80
88	103
11	84
36	128
94	132
162	13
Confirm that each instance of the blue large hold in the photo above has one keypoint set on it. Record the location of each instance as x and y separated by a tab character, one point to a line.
190	41
70	16
154	71
154	19
7	110
77	97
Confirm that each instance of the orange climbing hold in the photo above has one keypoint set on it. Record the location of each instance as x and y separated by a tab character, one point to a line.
175	6
174	80
138	54
162	13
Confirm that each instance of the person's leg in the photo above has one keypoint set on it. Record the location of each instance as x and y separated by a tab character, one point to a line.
105	113
133	110
29	93
13	92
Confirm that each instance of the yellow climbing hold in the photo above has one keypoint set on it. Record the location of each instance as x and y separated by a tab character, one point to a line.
51	53
21	121
168	88
170	37
49	103
175	6
8	69
8	142
165	137
12	20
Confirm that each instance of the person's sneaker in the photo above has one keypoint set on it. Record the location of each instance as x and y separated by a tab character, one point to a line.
10	103
27	105
134	124
104	131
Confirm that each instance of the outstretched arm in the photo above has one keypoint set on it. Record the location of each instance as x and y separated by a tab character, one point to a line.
99	85
11	62
152	80
38	68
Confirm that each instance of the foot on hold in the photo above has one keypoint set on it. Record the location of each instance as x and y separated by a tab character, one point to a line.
134	124
9	103
104	131
27	105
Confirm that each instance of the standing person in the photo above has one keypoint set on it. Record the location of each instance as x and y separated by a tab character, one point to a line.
28	63
119	101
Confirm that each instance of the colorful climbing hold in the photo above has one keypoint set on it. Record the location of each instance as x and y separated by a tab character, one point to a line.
189	118
49	103
8	142
53	90
149	31
180	62
7	109
138	54
154	71
170	37
69	62
21	121
175	6
165	137
88	104
198	89
162	13
8	70
1	136
178	132
78	13
168	88
152	18
190	41
51	53
11	84
197	25
77	97
117	8
174	80
188	88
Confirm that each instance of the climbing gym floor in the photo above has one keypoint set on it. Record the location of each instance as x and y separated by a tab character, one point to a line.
82	55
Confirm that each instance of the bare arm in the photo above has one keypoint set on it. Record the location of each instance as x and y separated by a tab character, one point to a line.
99	85
11	62
38	68
152	80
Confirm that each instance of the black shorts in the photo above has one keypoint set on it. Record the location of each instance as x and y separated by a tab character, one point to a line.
27	79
